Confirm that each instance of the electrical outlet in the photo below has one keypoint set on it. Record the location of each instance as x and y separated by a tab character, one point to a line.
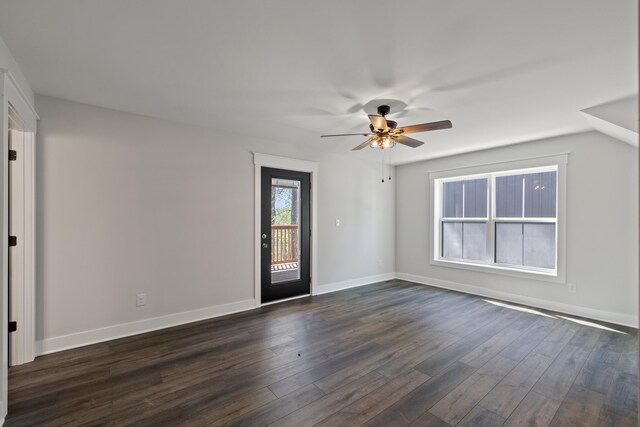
571	287
141	299
337	223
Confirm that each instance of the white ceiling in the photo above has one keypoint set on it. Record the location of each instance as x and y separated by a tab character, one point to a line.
502	71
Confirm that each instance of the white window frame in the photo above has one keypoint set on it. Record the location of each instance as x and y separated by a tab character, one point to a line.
556	163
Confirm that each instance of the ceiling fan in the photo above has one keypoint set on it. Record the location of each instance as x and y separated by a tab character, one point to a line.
386	133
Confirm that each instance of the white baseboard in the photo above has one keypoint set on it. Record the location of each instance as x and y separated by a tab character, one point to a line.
353	283
65	342
79	339
591	313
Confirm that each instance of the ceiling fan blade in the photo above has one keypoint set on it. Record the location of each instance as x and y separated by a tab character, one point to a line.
361	146
378	122
347	134
410	142
444	124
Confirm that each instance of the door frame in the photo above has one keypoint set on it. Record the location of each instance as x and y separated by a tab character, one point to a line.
277	162
23	349
12	95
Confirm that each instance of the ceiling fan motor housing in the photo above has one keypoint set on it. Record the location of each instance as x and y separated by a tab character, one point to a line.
383	110
390	124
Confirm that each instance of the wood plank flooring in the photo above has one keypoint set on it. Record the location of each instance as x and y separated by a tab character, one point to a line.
386	354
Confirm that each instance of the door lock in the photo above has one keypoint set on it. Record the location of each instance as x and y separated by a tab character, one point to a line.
264	236
265	246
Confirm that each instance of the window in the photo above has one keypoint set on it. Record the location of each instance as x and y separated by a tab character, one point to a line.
501	218
464	219
525	219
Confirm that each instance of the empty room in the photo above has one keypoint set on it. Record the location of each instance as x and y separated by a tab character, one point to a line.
338	213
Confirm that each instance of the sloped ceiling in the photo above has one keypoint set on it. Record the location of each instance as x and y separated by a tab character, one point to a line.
618	119
502	71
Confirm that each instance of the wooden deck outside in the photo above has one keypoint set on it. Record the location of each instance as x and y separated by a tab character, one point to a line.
284	244
284	272
284	253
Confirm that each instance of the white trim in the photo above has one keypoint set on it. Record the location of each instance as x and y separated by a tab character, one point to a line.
270	161
529	273
284	163
22	304
591	313
285	300
19	100
4	324
79	339
353	283
93	336
523	163
29	246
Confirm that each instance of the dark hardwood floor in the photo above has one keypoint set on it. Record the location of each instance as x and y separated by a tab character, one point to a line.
386	354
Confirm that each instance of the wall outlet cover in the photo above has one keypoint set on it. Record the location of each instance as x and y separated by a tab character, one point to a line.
141	299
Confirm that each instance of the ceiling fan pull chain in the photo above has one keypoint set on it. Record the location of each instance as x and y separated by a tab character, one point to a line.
389	163
383	167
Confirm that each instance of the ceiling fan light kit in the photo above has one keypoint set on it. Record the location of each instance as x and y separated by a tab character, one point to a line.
382	142
386	133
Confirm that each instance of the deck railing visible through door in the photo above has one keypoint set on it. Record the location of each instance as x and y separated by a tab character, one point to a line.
284	244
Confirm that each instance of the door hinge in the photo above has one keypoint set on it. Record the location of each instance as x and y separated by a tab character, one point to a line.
13	326
13	241
13	155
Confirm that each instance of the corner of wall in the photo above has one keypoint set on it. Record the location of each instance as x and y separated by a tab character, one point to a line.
353	283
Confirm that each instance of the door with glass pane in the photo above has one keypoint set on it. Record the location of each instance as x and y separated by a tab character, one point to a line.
285	219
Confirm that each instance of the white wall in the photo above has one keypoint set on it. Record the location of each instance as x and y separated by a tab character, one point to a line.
129	204
602	228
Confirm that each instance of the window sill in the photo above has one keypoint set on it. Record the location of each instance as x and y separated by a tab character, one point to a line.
553	277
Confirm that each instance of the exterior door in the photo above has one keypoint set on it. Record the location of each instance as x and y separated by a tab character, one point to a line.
284	239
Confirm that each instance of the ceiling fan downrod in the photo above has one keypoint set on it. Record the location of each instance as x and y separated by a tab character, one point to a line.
383	110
